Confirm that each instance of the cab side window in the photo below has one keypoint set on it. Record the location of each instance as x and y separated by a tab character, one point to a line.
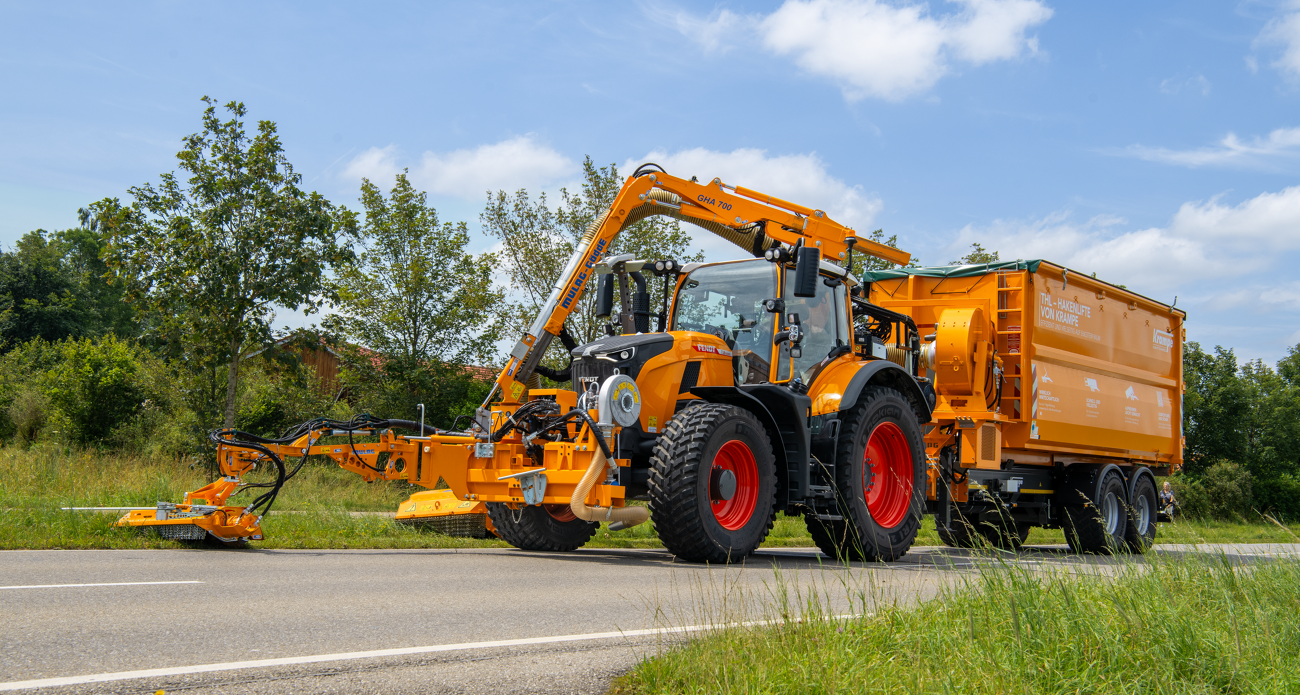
825	322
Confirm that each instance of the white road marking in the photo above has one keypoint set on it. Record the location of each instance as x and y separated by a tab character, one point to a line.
71	586
348	656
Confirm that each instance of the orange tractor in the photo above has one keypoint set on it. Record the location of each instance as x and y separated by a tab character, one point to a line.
764	385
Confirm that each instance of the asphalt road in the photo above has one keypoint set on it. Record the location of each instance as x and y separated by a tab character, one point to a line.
437	621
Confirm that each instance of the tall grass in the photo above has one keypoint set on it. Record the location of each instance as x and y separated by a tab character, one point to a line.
36	482
1196	624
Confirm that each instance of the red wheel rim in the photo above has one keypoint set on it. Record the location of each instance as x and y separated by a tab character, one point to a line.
560	512
887	475
735	456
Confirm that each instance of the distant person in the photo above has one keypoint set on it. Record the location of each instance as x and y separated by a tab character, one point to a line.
1167	501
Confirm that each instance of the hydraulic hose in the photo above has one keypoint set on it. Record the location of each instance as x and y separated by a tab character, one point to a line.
620	517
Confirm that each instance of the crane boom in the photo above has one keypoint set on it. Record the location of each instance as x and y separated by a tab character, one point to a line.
751	219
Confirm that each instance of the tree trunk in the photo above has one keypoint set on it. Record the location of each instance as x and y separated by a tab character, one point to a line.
232	381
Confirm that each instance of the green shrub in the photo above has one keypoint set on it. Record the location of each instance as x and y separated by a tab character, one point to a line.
97	387
1278	497
1228	486
1193	502
28	412
272	400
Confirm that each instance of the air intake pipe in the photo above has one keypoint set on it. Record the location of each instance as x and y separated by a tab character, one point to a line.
618	403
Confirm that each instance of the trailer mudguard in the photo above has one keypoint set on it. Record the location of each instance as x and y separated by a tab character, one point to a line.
886	373
785	415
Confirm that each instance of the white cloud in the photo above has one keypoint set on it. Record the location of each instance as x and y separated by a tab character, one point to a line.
878	49
519	162
1284	32
1230	151
1204	241
798	178
1267	222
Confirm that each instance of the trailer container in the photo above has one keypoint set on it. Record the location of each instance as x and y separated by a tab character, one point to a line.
1058	399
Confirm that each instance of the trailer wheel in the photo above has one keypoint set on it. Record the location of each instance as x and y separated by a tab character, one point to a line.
959	534
881	475
713	484
1003	533
1100	525
543	527
1142	513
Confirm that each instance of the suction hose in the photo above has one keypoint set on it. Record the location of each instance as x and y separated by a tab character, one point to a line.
620	517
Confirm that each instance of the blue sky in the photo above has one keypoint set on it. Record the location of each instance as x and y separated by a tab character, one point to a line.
1156	144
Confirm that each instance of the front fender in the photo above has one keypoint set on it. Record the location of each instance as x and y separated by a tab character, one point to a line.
886	373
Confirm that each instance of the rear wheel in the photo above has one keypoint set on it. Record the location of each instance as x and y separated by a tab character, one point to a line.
959	533
713	484
1142	513
545	527
1003	533
881	476
1099	526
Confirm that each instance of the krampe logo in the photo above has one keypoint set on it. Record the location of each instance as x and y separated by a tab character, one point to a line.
1163	340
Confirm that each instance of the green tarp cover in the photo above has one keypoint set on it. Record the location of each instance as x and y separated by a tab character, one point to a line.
950	271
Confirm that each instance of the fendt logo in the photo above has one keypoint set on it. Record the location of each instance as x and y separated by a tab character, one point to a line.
1163	340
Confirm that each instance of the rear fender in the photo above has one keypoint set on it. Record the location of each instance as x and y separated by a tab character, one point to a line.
888	374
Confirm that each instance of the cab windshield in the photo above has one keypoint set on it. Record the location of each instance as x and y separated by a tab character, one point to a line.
726	300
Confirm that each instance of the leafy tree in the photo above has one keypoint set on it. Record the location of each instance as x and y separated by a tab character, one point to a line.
414	292
537	242
978	254
216	252
1215	407
422	306
39	295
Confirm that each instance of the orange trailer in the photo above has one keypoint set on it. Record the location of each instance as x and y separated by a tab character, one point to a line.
1058	396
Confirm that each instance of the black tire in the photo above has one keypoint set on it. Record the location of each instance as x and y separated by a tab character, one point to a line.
1099	526
830	537
537	528
691	523
1003	533
959	534
1142	515
900	502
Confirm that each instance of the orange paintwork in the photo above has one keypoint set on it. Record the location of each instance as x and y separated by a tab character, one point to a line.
1092	372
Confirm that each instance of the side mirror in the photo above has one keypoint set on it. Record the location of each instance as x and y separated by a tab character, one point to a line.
806	270
604	296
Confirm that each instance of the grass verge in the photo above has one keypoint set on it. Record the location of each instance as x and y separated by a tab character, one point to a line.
36	483
1197	625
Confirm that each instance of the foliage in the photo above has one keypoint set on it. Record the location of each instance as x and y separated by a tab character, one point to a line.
275	398
39	294
1244	420
414	293
215	252
978	254
96	387
537	242
392	387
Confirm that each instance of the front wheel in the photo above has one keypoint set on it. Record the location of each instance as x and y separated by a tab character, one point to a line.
713	484
881	475
551	527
